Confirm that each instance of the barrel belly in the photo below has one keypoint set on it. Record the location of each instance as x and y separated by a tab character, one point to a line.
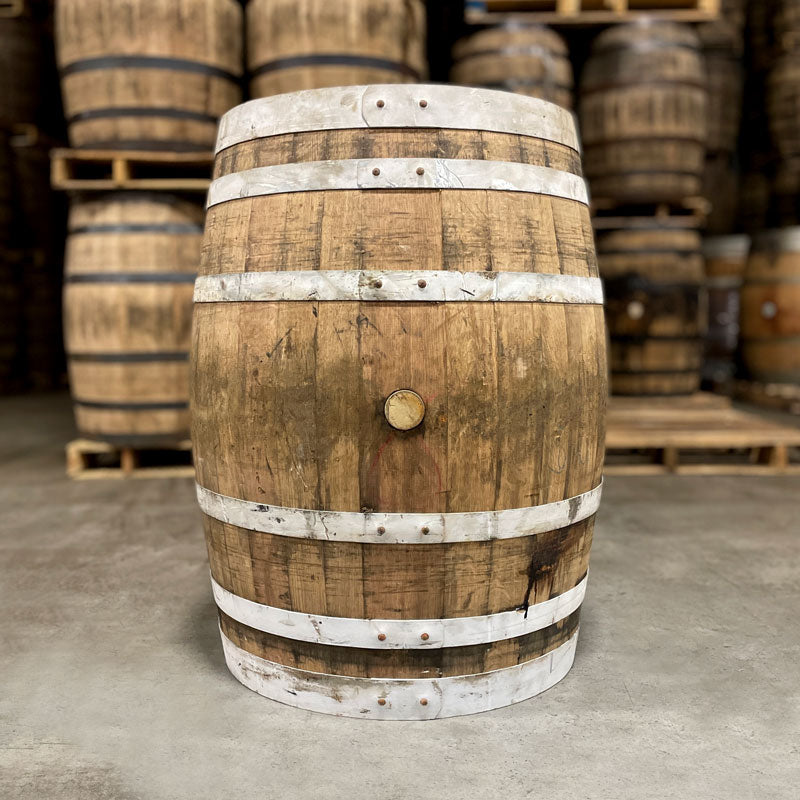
398	395
131	261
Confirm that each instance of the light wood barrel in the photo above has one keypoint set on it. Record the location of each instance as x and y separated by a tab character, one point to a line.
131	261
398	397
725	259
527	59
643	113
157	76
312	44
653	277
770	315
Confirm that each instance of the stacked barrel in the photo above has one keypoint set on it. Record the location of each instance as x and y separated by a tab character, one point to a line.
770	300
31	218
156	78
526	59
643	110
312	44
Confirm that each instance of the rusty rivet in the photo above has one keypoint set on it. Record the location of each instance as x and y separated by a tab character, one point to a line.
422	284
378	284
426	530
381	637
380	104
420	170
423	103
423	701
376	171
424	637
381	530
381	701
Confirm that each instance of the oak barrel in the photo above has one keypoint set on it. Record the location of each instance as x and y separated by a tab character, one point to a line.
770	312
131	260
21	69
643	104
398	397
725	259
157	76
652	271
311	44
527	59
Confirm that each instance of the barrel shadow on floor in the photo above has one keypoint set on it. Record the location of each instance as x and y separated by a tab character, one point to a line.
202	634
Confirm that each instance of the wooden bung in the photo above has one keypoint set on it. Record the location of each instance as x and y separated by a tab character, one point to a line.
311	44
131	260
643	103
156	77
655	307
398	396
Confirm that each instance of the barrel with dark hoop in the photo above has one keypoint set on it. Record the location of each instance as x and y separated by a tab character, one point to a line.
398	397
156	77
130	265
770	308
655	306
311	44
643	103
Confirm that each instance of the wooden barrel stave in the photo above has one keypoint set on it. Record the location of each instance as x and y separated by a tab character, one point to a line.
314	44
530	60
158	80
770	308
317	377
643	110
130	265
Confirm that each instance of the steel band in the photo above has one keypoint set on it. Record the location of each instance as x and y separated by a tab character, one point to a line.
165	227
397	173
131	277
398	528
358	697
353	107
336	60
399	634
416	286
147	62
171	406
128	358
734	247
141	111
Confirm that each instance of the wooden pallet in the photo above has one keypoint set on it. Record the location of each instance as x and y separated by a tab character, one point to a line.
776	396
691	212
104	170
698	435
90	460
587	12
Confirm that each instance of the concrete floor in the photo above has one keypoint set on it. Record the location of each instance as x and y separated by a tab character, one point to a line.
113	686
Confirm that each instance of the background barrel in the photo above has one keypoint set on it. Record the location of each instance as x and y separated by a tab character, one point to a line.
21	70
771	308
643	104
725	259
130	265
655	309
309	44
527	59
372	421
155	77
